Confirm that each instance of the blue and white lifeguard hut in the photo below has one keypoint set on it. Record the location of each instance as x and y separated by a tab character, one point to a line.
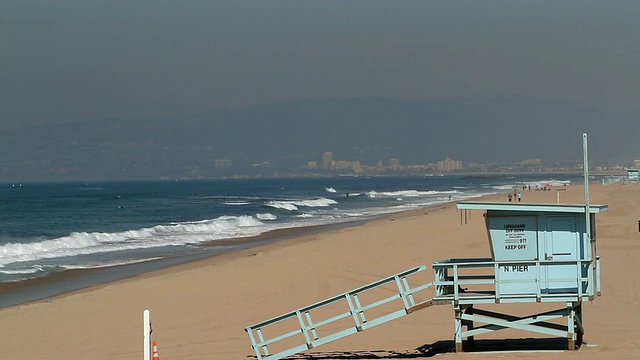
544	253
540	253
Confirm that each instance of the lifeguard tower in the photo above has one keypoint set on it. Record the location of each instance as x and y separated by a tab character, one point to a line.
540	253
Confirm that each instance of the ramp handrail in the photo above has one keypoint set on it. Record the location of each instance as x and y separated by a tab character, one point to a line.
309	330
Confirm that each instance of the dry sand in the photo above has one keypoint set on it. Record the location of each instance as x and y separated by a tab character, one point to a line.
199	310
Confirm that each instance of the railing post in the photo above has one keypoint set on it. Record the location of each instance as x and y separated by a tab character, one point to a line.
303	328
456	293
538	282
313	329
254	344
571	335
353	312
458	329
261	338
496	281
407	289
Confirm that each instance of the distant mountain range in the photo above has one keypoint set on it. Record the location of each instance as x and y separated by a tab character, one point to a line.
288	134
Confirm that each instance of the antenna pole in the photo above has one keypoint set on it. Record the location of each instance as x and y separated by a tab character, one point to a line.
586	185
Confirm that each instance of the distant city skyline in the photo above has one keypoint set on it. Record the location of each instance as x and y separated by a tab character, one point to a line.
353	134
448	165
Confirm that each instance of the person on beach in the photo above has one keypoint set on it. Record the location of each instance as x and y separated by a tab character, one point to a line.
509	196
519	196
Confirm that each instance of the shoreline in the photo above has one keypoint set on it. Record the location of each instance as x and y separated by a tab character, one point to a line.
74	280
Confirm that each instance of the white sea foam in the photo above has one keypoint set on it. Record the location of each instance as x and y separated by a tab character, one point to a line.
353	214
330	189
293	205
266	216
285	205
179	234
407	193
236	203
320	202
550	182
32	270
107	264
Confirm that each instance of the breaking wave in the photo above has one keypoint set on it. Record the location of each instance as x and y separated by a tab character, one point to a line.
293	205
407	193
177	234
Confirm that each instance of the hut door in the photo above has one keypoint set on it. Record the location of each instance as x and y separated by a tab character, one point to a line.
562	245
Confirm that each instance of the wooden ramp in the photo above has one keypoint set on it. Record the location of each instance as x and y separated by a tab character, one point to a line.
343	315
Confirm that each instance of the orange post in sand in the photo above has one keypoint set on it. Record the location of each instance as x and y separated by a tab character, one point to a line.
155	351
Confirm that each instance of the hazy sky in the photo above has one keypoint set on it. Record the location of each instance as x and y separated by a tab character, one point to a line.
67	60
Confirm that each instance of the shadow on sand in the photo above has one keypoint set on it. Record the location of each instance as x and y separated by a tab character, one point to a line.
439	347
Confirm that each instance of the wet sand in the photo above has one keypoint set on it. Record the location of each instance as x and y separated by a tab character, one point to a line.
199	309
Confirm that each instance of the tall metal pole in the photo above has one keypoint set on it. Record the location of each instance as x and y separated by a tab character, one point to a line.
586	185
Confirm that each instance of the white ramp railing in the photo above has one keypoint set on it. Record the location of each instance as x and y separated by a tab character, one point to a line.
339	316
610	180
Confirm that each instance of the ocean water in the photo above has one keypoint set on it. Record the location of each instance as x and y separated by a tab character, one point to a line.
50	228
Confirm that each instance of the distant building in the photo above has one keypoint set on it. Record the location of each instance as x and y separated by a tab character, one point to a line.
264	164
636	164
357	168
312	164
394	164
448	165
222	164
327	160
342	165
532	162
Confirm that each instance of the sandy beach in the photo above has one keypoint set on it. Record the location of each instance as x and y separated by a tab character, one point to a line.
199	310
